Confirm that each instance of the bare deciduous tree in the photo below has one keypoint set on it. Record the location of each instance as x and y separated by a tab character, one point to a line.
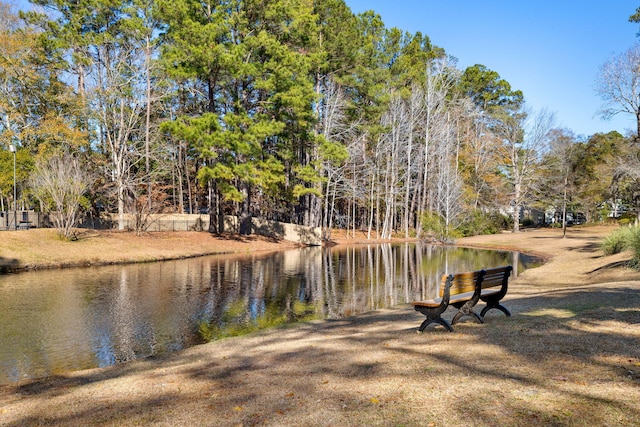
524	140
415	117
449	186
618	84
118	97
336	130
60	184
390	146
559	163
440	78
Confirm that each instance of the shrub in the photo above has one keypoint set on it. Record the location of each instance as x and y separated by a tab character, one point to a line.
528	222
634	245
483	223
625	222
616	242
434	225
627	238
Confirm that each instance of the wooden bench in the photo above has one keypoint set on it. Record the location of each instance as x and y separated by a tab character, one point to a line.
463	291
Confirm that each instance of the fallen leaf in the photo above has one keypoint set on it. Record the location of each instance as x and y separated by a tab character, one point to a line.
374	401
238	408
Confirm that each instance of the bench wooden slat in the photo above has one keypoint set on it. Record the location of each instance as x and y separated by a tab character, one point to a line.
428	303
486	292
437	301
463	283
495	276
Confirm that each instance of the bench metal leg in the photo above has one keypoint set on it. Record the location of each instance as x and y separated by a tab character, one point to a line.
466	309
438	320
471	313
498	306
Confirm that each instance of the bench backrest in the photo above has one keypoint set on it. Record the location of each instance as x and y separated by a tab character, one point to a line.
498	276
461	282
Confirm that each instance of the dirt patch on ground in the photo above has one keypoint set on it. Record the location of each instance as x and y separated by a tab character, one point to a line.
569	355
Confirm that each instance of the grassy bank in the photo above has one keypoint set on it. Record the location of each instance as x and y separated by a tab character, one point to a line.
42	248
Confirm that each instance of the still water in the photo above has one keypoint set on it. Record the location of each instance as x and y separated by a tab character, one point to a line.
57	321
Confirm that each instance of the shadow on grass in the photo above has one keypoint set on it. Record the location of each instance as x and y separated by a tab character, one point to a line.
611	266
236	237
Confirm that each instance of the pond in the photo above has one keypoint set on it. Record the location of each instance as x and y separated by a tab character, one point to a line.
57	321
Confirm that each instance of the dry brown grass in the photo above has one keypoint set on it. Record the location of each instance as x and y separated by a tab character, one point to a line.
42	248
569	356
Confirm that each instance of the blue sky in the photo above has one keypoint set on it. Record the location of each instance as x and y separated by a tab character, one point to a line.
551	50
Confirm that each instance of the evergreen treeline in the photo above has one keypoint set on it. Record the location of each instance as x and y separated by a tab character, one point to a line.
292	110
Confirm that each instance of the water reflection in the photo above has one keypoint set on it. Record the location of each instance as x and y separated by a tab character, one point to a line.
64	320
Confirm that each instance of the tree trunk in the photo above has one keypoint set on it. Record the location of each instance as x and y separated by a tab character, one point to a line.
245	214
372	204
180	179
216	214
516	219
564	204
120	206
147	127
516	209
315	210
